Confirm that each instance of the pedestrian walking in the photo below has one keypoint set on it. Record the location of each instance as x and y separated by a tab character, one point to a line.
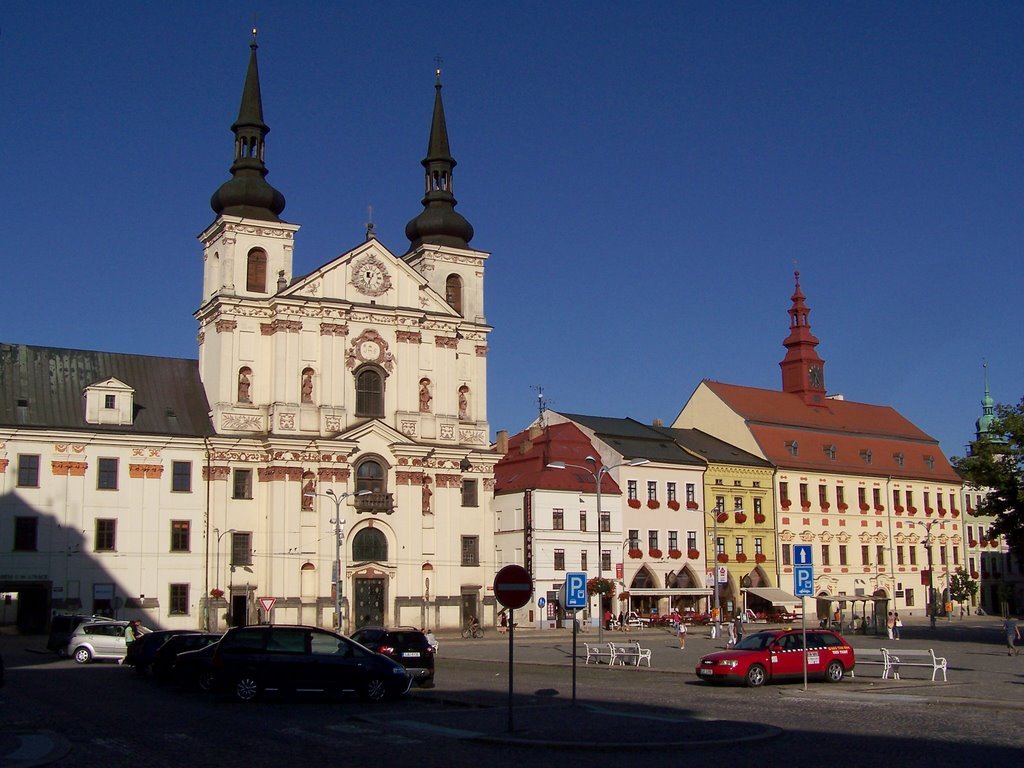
737	631
1012	631
681	634
890	625
897	625
731	643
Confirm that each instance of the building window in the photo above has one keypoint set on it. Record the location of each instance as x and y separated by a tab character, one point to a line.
690	493
787	554
673	540
866	456
898	458
453	292
469	498
909	596
559	559
25	529
631	489
822	495
929	461
952	501
28	470
106	477
876	496
739	545
895	499
583	520
938	499
830	452
634	538
670	491
825	556
927	500
757	507
720	545
899	555
784	491
606	560
106	535
910	499
557	519
241	548
691	540
110	402
737	503
471	550
942	555
793	448
862	496
720	504
865	554
583	560
180	535
241	486
256	272
880	554
652	490
956	555
758	545
178	599
913	555
370	477
840	495
606	522
369	393
805	499
181	476
842	554
652	539
370	545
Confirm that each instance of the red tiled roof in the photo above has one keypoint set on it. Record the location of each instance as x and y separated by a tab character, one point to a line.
778	419
521	470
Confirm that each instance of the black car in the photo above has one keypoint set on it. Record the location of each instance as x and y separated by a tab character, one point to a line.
409	647
251	660
166	657
193	669
141	653
63	626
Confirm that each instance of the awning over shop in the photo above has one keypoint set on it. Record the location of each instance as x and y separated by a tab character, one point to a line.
773	595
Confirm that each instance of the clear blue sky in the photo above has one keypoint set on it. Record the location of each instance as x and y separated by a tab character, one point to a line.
645	175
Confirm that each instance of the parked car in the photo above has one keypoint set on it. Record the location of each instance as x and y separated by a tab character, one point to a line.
777	655
62	626
142	652
251	660
166	656
98	641
409	647
194	669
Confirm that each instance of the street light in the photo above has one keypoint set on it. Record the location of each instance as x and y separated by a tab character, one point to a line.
598	475
714	563
219	535
931	574
338	527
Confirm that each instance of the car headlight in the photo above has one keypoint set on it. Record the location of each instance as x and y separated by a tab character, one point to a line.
728	663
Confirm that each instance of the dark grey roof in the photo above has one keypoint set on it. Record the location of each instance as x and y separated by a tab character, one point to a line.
44	387
635	440
713	449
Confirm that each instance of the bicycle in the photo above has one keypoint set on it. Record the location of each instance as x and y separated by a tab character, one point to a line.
474	631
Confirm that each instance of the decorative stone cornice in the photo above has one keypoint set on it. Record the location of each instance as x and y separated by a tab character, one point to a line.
333	329
408	478
448	481
62	468
216	473
223	326
409	337
272	473
481	350
288	326
146	471
332	475
446	342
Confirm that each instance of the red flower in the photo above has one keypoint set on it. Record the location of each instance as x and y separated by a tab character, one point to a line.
974	574
759	518
723	558
760	557
879	508
673	505
634	503
954	512
865	507
653	504
655	553
740	517
786	504
722	517
805	506
675	554
898	509
693	554
636	554
973	543
741	558
843	506
691	505
825	505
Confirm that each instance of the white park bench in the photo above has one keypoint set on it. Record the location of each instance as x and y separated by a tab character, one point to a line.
905	657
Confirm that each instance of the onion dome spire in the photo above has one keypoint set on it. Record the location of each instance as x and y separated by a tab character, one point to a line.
983	426
439	223
247	192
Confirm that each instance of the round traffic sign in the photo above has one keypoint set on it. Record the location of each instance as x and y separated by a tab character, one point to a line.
513	586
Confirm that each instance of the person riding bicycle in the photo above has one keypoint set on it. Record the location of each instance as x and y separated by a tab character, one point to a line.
474	624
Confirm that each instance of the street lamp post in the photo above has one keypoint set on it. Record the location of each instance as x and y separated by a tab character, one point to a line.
339	526
714	564
219	535
598	475
931	573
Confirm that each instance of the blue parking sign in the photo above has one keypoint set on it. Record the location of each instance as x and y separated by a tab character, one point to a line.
575	590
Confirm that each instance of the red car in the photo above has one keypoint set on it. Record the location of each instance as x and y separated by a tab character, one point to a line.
778	654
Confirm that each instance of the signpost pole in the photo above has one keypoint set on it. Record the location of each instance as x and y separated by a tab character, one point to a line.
511	668
803	628
575	611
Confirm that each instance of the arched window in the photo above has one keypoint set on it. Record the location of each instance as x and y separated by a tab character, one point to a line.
369	393
453	292
244	385
369	545
370	476
256	271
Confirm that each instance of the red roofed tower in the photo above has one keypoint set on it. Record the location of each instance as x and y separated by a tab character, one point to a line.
803	371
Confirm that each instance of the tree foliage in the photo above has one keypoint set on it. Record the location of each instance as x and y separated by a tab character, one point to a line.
961	586
996	466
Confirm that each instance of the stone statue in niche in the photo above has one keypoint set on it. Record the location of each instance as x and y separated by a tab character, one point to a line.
425	396
307	386
427	493
308	489
244	382
463	403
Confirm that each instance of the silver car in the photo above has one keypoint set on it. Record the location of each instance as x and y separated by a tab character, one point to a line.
98	640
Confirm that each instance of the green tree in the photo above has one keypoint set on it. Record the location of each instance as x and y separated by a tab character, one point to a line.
996	464
961	586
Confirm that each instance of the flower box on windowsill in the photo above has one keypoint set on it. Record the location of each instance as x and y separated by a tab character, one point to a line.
675	554
653	504
864	508
216	594
636	554
654	553
691	505
673	505
759	519
825	506
975	574
931	511
741	518
805	506
693	554
722	517
723	558
785	503
972	542
898	509
954	512
843	506
741	558
634	503
760	557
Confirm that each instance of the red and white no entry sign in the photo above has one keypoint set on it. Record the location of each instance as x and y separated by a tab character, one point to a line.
513	586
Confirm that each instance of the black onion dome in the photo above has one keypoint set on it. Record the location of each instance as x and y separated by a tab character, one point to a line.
439	223
247	193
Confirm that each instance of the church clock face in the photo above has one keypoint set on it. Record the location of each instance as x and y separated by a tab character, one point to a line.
370	276
814	376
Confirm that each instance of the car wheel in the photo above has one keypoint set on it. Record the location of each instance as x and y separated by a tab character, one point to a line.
375	689
834	672
205	681
62	653
756	676
82	655
246	688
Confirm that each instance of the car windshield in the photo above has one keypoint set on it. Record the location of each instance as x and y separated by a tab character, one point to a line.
756	642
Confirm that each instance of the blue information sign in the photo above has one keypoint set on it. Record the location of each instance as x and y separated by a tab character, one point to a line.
575	590
803	571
